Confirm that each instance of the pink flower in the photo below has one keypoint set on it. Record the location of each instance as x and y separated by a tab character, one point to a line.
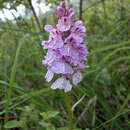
55	39
77	77
73	39
49	75
68	50
48	28
59	12
66	54
62	83
80	66
56	64
63	4
61	67
68	6
64	24
71	16
50	58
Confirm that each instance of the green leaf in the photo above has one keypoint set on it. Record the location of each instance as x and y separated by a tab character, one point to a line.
44	124
49	114
34	116
13	124
62	128
48	126
66	128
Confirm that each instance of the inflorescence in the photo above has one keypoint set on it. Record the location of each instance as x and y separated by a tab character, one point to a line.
66	52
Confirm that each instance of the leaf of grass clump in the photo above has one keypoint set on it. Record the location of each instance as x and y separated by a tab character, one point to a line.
12	78
109	47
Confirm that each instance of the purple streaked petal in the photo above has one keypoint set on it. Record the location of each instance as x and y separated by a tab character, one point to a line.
59	12
73	39
70	54
49	75
72	16
63	4
78	23
77	77
67	86
64	24
68	6
45	44
70	11
61	68
49	58
58	83
48	28
80	66
55	40
62	83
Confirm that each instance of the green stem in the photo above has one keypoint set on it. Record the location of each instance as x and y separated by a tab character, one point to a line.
12	80
70	113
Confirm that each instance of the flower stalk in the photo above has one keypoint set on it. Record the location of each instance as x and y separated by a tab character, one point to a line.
69	110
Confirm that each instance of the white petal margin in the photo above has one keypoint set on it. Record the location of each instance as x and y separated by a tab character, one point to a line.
49	75
77	77
62	83
67	86
58	84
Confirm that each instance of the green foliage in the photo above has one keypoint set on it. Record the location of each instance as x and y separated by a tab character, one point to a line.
13	124
49	114
31	117
100	101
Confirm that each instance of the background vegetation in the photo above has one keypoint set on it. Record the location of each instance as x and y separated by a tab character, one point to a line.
100	101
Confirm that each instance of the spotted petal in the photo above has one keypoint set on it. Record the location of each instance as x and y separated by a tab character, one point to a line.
77	77
58	83
62	83
49	75
61	68
48	28
67	86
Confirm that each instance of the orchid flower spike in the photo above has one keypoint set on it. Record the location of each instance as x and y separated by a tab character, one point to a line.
66	52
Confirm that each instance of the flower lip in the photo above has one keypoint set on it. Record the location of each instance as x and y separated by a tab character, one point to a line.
48	28
64	24
62	83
